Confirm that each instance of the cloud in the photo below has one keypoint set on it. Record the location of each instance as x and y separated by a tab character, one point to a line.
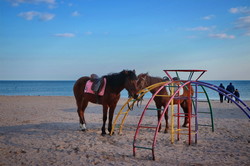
222	36
247	34
244	24
28	15
32	14
18	2
88	33
209	17
46	16
200	28
244	10
64	35
75	13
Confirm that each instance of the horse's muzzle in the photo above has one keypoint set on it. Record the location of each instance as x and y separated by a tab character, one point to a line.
135	96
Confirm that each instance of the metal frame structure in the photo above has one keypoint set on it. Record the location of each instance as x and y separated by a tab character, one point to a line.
189	82
192	112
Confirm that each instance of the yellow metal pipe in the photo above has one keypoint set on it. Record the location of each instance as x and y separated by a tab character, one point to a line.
172	115
141	93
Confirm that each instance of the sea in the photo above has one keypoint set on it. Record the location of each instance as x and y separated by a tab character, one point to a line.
65	88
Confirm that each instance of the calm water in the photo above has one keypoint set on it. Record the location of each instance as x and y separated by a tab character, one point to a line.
64	88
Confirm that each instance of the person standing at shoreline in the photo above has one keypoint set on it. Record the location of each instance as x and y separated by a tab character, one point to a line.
221	95
231	89
237	94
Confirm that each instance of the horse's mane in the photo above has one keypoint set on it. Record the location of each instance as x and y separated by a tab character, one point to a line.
152	79
117	79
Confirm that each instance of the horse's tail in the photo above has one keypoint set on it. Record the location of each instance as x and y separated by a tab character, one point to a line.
78	90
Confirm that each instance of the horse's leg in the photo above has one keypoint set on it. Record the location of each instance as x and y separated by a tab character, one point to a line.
104	118
158	106
159	116
184	106
166	119
80	111
111	114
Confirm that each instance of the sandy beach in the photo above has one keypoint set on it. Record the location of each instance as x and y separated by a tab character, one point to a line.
44	130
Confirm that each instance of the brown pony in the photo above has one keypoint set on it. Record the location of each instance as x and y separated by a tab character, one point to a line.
144	80
115	83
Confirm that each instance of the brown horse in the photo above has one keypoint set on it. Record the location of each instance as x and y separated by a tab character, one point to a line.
115	83
144	80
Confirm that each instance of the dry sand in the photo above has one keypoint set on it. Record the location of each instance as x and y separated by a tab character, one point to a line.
40	130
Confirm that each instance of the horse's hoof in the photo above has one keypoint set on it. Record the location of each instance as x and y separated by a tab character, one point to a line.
166	131
185	125
83	127
111	133
103	134
83	130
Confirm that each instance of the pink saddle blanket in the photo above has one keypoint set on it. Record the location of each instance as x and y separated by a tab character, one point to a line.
89	90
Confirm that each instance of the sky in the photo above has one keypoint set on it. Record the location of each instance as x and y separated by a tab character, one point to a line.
67	39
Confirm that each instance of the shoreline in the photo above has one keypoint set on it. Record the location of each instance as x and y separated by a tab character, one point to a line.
123	98
44	130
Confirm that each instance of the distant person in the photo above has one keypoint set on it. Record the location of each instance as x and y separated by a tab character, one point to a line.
237	94
221	95
231	89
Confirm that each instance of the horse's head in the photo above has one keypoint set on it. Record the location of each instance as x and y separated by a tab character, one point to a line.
142	81
131	83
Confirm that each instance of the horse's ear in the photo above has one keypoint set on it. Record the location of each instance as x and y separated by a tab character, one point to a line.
143	76
125	71
134	70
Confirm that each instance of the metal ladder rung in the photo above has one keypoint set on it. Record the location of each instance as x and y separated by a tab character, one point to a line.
202	101
141	147
186	133
155	109
204	125
124	112
183	115
180	131
163	95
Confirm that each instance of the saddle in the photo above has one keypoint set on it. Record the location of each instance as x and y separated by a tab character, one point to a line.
95	85
97	81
